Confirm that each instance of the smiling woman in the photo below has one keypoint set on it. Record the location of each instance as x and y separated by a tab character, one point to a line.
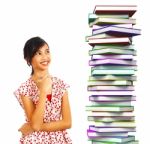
44	99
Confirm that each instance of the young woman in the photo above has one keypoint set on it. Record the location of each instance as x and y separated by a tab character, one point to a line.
44	99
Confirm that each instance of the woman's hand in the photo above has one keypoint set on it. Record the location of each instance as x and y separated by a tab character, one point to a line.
26	129
44	85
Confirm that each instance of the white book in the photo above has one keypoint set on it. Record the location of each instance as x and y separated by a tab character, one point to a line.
114	72
107	119
119	82
114	40
112	51
94	27
112	93
110	103
101	21
99	129
112	124
103	35
113	77
115	30
111	88
131	142
111	61
110	108
94	16
96	113
112	98
116	56
100	134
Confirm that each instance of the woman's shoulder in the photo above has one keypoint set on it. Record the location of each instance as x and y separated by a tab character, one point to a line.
60	82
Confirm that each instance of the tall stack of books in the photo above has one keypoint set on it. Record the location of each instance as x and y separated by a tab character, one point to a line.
113	69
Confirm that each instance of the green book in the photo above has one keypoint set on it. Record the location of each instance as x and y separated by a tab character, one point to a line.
102	46
110	108
112	51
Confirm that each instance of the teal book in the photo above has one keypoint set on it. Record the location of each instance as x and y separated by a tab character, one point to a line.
114	67
114	72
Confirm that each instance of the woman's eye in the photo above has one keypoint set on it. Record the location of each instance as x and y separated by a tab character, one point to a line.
38	53
47	51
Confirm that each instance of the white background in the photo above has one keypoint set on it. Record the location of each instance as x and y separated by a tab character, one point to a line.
64	25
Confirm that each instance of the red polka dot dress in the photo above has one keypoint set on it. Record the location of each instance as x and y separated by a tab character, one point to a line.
52	112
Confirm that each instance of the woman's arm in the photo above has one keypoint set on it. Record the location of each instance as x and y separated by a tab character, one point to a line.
31	111
66	121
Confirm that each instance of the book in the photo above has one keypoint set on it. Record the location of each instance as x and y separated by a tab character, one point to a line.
113	77
112	56
92	16
105	98
110	108
117	31
115	9
110	103
118	139
110	93
97	113
108	119
93	134
102	46
112	67
106	129
112	51
112	124
103	35
114	72
98	142
109	82
102	21
94	27
111	61
113	40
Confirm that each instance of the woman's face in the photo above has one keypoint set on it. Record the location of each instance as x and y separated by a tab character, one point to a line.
41	59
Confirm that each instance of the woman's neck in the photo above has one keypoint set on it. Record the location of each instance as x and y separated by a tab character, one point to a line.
40	74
